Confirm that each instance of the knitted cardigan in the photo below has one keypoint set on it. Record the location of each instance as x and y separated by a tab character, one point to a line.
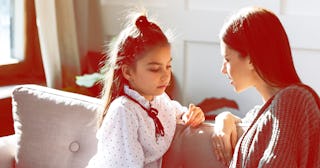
285	133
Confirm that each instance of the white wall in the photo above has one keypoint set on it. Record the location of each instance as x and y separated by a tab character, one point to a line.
196	55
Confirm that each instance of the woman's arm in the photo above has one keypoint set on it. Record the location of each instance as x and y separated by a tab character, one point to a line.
226	135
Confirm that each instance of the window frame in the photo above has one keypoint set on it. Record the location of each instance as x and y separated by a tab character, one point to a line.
30	69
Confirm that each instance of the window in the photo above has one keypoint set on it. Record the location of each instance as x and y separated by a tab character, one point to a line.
20	56
11	31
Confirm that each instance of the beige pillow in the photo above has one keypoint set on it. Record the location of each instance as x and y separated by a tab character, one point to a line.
54	129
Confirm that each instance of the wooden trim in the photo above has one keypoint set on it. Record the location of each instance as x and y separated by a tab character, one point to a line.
31	68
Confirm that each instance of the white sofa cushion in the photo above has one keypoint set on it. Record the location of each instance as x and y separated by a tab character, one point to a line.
54	129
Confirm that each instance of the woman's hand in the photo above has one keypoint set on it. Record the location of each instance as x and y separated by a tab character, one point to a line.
225	137
194	116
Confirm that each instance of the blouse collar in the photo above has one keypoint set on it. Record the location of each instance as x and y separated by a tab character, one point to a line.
137	96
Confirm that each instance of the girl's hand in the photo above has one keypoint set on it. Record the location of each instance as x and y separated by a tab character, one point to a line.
225	137
194	116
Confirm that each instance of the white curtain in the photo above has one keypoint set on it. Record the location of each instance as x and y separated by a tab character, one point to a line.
68	29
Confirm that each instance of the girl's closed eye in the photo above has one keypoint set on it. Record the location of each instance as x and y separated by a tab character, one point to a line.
154	69
157	69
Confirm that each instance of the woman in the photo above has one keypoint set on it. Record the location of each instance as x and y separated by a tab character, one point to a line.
284	131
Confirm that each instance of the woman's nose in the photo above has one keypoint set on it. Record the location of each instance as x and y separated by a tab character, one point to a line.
223	69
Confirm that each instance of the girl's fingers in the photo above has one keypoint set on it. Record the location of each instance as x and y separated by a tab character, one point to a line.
197	117
194	116
190	114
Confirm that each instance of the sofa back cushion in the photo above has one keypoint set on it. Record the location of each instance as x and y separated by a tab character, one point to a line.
57	129
54	128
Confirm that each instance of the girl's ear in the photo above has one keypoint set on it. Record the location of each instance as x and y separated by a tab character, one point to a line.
126	72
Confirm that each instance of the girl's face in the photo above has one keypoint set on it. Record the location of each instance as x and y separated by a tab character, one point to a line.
237	68
152	72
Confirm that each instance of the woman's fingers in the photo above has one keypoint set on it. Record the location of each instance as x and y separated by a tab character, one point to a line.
219	149
214	146
223	151
222	144
228	150
226	134
229	144
234	137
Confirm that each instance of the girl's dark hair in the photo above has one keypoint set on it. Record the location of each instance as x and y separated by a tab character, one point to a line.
258	33
139	37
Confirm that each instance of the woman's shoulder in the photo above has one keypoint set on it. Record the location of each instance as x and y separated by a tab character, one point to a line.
251	114
298	91
297	95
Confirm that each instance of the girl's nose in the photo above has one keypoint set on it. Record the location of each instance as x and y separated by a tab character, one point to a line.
166	74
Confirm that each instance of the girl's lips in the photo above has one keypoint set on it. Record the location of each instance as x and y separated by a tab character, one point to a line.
162	86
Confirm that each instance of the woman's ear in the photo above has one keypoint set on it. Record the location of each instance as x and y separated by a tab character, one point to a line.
126	72
251	67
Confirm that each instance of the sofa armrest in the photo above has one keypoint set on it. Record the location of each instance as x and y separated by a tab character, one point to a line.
7	151
192	147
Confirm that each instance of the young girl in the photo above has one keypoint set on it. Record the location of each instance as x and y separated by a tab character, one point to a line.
139	119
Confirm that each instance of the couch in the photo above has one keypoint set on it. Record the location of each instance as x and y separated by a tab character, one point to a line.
56	129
